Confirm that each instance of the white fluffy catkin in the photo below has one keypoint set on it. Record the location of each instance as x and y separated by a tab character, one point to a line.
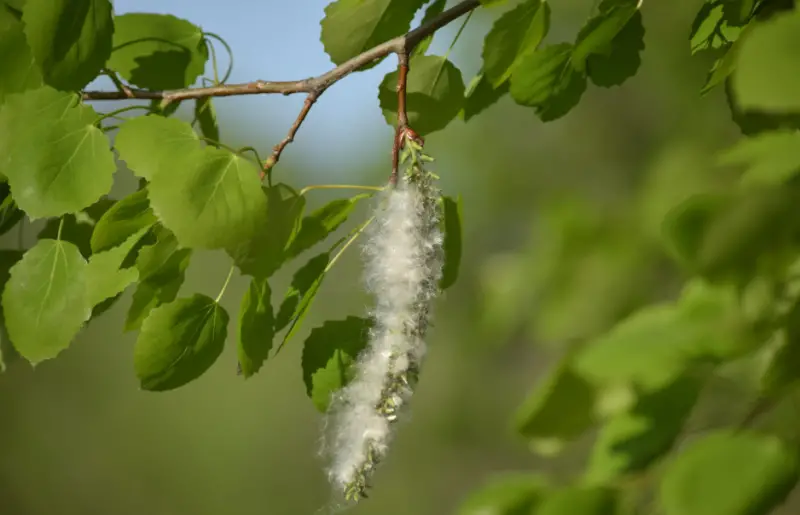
404	261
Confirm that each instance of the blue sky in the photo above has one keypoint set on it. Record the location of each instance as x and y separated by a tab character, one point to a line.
279	40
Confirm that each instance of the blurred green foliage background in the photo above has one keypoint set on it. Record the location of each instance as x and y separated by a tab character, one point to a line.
562	238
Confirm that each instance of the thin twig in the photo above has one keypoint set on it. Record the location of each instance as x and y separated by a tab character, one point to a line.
278	149
313	86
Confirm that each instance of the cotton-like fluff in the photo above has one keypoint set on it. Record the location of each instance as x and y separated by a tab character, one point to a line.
404	260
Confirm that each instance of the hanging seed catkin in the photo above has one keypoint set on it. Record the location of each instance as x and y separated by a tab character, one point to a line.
404	258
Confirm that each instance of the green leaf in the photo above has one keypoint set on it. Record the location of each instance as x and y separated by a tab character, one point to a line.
70	39
481	95
434	9
125	218
149	144
655	345
8	258
724	237
266	252
106	278
321	223
57	161
489	3
351	27
158	51
542	418
514	34
780	375
161	269
19	71
728	473
738	12
435	94
45	300
328	353
508	493
622	59
772	158
632	440
452	241
754	121
210	199
156	107
256	327
207	118
597	37
546	80
77	228
179	341
710	29
767	75
305	283
10	214
579	501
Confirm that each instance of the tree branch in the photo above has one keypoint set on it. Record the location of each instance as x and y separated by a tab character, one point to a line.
317	84
313	86
402	113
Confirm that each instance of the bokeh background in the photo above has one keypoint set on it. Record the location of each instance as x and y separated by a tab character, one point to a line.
561	238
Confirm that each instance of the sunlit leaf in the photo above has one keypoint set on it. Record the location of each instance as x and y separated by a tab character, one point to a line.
149	144
45	300
19	71
57	161
105	275
351	27
70	39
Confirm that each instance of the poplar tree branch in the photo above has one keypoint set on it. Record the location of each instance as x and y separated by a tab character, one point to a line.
318	84
313	86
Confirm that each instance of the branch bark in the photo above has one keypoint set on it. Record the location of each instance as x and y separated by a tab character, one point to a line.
313	86
318	84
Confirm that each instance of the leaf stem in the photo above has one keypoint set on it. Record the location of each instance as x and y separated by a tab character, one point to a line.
214	66
225	285
458	34
113	114
349	242
339	187
219	144
60	226
230	56
255	153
